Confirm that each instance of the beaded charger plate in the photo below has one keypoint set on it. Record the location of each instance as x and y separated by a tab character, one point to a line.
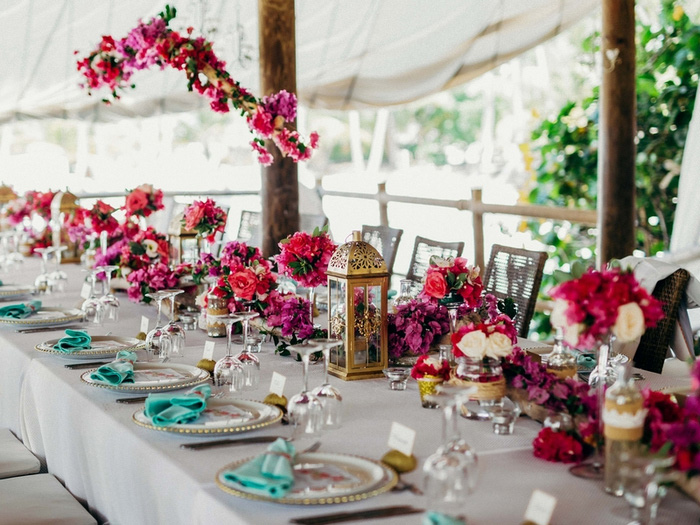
222	416
100	346
154	377
46	316
322	478
11	291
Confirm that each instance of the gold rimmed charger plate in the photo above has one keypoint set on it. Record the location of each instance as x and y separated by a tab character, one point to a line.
10	291
262	416
193	376
100	346
373	478
46	316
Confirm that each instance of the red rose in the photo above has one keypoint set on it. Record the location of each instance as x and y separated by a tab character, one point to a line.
557	446
435	285
193	216
243	284
136	202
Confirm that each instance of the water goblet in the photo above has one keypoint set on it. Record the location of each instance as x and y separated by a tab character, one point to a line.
175	330
304	409
330	398
92	307
644	480
17	235
228	371
42	282
158	340
250	362
109	300
58	278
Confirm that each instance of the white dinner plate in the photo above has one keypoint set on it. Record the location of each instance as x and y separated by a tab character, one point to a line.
322	478
101	346
11	291
154	377
222	416
46	316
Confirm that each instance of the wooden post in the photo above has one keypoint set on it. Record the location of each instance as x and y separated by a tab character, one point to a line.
383	204
478	228
617	130
280	189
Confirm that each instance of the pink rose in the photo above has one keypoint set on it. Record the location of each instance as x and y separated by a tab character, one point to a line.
243	284
193	216
136	202
435	285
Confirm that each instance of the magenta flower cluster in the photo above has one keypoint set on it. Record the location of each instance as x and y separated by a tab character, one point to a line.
415	326
291	314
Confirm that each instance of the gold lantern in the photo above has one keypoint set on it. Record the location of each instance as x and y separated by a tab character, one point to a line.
184	243
358	281
63	205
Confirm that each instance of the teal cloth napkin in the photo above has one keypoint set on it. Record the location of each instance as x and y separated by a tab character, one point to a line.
20	311
269	474
75	340
438	518
118	371
166	409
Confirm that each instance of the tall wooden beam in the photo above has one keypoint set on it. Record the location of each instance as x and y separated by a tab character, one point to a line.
280	190
617	130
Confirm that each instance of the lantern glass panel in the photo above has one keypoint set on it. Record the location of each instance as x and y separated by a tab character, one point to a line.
374	312
337	312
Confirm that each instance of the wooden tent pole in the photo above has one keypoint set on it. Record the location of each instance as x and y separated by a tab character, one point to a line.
280	190
618	127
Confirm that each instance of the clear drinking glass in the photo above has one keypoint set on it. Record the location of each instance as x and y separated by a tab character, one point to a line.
304	409
174	330
42	283
327	394
250	362
228	371
109	300
158	341
93	309
58	278
643	478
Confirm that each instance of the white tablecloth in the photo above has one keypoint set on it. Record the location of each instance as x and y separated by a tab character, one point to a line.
131	475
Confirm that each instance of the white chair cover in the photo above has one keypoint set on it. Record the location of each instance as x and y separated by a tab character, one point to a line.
15	458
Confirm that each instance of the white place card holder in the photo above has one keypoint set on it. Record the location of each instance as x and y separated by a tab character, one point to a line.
209	350
540	509
85	291
402	438
144	324
277	384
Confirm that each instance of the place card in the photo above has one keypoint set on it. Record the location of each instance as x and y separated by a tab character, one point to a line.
209	350
540	509
277	384
144	324
85	291
402	438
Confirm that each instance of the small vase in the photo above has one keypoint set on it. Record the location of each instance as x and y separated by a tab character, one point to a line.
216	306
427	386
485	374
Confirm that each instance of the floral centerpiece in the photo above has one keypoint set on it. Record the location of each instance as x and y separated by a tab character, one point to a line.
100	218
452	280
143	200
16	210
305	257
415	326
154	43
204	217
429	372
40	202
599	303
150	278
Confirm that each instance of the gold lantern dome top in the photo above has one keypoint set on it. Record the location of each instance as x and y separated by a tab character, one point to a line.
64	202
7	194
356	258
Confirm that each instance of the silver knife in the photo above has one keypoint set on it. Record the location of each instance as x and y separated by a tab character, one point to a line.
130	400
50	329
339	517
225	442
91	364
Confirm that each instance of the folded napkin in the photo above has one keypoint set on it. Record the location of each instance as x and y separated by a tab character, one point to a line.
20	311
118	371
438	518
167	409
269	474
75	340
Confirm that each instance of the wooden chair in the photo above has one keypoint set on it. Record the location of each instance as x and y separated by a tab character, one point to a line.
309	222
653	346
385	240
250	228
424	249
516	273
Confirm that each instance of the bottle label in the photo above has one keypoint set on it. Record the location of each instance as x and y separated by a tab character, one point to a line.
624	422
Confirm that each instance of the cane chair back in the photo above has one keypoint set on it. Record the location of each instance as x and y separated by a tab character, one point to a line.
385	240
424	249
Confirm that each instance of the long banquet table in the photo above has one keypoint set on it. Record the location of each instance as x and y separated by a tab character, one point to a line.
126	474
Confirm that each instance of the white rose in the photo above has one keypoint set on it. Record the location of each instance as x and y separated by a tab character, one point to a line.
151	247
199	300
434	362
571	333
629	324
498	345
473	344
558	315
441	262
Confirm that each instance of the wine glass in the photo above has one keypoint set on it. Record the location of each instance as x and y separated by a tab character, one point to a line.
250	362
58	278
228	371
158	341
304	409
644	480
174	330
92	308
109	300
42	282
450	474
330	398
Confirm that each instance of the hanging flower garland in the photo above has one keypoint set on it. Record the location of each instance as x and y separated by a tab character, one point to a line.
153	43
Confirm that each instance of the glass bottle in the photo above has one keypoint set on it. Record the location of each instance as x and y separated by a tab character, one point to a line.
623	420
216	306
405	295
561	362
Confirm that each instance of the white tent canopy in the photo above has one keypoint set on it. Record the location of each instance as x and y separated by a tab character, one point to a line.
349	54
